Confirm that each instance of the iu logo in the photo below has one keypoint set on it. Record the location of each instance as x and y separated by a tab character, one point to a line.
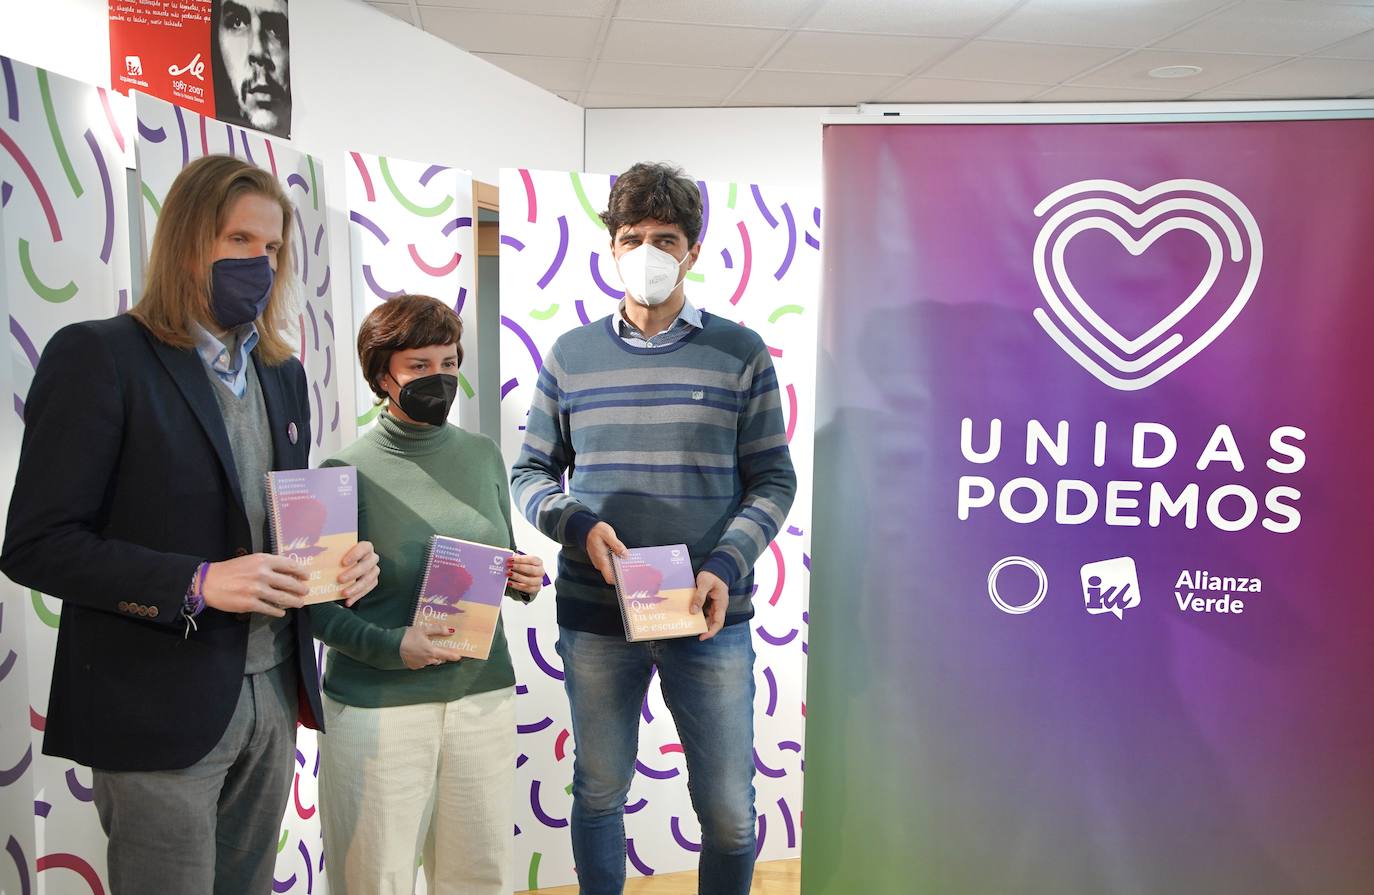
1134	360
1110	586
133	66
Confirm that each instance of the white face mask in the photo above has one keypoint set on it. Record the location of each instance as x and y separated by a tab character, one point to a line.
650	274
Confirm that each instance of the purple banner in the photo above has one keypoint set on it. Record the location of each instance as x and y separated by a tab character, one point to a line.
1093	478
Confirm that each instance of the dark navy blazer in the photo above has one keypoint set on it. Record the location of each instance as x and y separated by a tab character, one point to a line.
126	484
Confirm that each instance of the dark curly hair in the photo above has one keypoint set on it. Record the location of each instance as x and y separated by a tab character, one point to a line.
658	191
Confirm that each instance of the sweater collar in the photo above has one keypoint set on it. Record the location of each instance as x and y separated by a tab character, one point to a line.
408	438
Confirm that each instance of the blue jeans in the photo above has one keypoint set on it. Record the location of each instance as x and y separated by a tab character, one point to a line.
708	687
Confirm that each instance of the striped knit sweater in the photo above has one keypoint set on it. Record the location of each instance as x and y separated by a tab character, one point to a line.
680	444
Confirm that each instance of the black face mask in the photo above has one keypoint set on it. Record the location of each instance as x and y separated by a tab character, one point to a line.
427	399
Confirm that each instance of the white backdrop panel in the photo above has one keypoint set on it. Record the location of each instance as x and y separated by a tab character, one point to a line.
410	231
64	258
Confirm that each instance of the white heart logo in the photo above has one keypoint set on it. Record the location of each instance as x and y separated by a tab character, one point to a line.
1213	213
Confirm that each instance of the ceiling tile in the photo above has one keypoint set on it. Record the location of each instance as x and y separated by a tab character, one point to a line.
1311	79
1361	47
1217	69
1072	93
1224	95
942	90
786	88
1114	23
395	10
665	80
652	42
634	101
551	74
1280	28
594	8
937	18
766	13
535	35
879	54
992	60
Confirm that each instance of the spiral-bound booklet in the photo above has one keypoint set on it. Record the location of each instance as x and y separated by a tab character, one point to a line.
655	586
462	586
314	516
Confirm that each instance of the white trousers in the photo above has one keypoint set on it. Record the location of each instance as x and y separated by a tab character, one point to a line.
436	779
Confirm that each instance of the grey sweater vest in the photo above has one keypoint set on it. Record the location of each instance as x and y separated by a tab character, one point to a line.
270	640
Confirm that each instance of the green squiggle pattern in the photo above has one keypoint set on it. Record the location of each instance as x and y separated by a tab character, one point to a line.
57	134
369	416
40	609
42	290
424	211
152	200
314	187
585	202
534	871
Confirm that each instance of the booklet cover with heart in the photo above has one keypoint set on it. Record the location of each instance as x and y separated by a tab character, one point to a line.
655	586
462	588
314	514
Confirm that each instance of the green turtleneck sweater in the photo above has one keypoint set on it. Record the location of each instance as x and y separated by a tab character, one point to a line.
413	481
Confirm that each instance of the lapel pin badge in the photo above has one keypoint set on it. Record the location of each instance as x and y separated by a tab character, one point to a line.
291	432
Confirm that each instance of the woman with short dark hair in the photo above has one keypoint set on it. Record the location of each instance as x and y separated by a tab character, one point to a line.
410	724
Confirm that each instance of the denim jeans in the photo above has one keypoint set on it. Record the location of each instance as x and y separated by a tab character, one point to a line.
708	687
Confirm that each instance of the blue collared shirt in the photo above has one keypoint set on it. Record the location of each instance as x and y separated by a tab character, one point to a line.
687	320
230	367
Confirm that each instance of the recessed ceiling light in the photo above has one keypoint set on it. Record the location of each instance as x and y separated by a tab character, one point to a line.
1175	71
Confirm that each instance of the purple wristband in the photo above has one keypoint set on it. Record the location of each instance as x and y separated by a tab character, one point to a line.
195	594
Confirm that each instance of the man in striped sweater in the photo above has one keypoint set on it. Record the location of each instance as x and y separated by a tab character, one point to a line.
667	421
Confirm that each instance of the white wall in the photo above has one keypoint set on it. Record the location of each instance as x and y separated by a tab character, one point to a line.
778	147
361	80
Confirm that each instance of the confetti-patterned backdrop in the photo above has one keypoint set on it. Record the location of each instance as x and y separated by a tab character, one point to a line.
759	265
65	257
410	230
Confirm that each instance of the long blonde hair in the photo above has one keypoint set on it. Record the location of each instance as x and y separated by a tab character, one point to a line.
176	292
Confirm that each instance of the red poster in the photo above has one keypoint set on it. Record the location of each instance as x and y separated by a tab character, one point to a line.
226	59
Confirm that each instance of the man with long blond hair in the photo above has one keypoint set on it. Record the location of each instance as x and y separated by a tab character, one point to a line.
183	661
